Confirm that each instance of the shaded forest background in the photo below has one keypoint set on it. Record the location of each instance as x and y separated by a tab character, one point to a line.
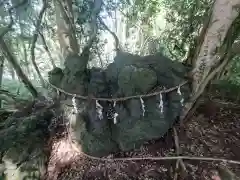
143	27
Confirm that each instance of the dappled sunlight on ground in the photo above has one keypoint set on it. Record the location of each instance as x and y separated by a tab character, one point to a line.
62	156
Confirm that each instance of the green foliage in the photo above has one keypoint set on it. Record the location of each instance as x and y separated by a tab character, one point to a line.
234	74
231	81
18	88
184	19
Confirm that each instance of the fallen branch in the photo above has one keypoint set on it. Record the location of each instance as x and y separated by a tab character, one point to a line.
165	158
77	148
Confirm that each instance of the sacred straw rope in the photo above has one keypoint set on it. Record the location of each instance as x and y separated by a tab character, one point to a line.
121	98
142	158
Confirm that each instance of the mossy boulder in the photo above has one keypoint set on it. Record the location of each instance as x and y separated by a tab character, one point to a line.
138	119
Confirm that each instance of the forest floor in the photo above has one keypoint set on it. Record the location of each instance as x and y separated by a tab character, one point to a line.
217	136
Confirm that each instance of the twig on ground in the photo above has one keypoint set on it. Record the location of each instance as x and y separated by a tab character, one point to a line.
78	149
179	161
224	103
176	170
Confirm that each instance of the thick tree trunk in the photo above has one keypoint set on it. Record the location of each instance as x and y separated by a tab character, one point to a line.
66	28
213	53
17	68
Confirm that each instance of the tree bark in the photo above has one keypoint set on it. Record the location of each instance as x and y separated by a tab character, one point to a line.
26	58
66	28
17	68
35	37
12	73
213	53
47	50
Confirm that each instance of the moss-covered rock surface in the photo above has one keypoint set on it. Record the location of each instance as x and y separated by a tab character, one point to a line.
94	127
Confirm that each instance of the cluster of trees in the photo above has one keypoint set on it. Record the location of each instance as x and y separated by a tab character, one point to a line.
37	35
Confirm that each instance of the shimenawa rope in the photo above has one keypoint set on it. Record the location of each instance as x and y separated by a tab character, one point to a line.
140	158
120	98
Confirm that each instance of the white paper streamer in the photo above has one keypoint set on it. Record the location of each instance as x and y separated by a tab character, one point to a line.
74	104
179	91
99	109
160	102
115	114
143	106
115	118
180	94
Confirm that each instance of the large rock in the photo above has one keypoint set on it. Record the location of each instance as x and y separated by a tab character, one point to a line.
139	119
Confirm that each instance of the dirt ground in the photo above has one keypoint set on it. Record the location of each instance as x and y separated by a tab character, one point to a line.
216	135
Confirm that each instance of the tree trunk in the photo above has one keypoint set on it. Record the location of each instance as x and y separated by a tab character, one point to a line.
47	49
12	73
17	68
34	40
65	28
26	58
214	52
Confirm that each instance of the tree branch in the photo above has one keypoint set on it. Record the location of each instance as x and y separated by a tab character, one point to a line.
2	3
100	59
47	49
199	39
9	55
9	26
214	38
69	20
17	68
117	48
97	5
35	37
188	106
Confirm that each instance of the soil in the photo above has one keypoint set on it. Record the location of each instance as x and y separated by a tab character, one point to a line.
216	135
